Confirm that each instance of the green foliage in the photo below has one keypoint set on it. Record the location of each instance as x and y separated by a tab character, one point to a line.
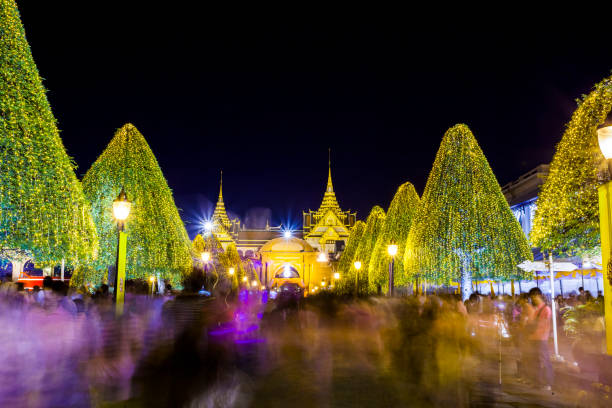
374	225
464	215
43	213
198	246
567	214
231	259
157	240
346	284
580	321
397	225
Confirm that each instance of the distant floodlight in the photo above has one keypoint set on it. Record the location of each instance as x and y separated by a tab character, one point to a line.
208	225
322	257
244	279
357	265
336	275
254	283
205	256
231	271
287	234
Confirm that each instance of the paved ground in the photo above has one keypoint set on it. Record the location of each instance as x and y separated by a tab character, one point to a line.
366	354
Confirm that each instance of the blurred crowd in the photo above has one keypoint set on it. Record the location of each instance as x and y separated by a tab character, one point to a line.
65	348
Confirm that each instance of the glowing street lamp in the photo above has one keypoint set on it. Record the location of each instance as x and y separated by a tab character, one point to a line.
322	257
392	251
152	280
604	137
121	211
244	279
231	271
205	256
336	275
357	265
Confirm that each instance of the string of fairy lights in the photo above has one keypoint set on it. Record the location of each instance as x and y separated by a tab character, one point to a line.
373	228
345	264
567	215
158	241
43	213
464	224
398	221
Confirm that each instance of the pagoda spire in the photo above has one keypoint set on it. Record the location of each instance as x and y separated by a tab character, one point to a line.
330	186
329	197
221	188
220	215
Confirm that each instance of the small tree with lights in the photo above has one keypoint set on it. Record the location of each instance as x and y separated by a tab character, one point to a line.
157	240
464	227
374	225
346	284
397	225
44	214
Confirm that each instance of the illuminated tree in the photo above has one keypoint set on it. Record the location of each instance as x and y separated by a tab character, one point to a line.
397	225
374	225
346	284
198	246
464	227
231	259
157	240
43	213
567	215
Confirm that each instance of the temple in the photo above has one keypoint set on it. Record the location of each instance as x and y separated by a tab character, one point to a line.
222	226
310	253
328	228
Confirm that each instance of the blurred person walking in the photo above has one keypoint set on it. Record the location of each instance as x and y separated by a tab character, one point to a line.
539	333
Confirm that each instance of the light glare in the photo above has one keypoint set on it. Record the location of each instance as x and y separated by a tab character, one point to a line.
604	136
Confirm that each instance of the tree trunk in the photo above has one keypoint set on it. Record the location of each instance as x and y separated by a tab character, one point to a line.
466	279
17	269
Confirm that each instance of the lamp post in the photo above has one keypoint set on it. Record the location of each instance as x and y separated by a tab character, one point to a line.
392	251
121	210
322	259
357	265
205	258
604	136
152	280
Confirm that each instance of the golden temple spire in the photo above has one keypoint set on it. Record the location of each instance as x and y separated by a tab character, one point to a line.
220	215
330	186
329	198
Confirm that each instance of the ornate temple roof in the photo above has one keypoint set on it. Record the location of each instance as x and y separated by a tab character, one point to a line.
329	198
220	217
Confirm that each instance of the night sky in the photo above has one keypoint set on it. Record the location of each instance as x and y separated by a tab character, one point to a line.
264	100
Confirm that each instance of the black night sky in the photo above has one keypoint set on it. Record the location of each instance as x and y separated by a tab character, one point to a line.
264	100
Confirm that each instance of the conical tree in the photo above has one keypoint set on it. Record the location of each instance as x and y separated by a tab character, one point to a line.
464	227
231	259
346	284
43	213
567	213
157	240
397	225
198	246
374	225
